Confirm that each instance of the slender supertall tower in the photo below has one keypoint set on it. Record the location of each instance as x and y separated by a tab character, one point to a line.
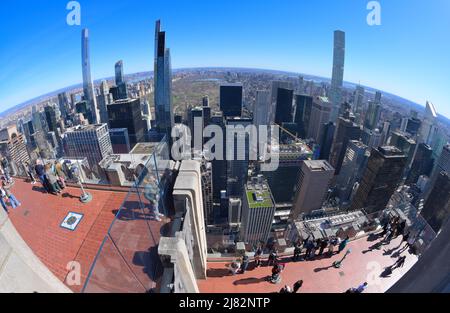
120	92
163	84
119	72
88	85
337	79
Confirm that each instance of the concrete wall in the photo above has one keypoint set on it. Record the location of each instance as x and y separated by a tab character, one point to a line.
20	270
188	187
184	253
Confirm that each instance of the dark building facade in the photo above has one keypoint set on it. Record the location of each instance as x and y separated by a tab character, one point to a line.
413	126
231	100
422	164
346	130
327	140
303	114
381	177
127	114
283	111
372	115
437	207
120	140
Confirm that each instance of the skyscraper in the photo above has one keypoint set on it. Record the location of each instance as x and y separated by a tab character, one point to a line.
283	181
354	163
422	164
381	177
88	85
372	115
127	114
301	85
337	78
219	167
283	110
320	115
274	97
413	126
428	126
326	142
437	207
119	72
92	142
13	147
257	213
358	99
196	113
163	84
237	167
63	103
103	100
378	96
120	140
261	109
231	100
313	184
52	116
406	144
121	86
303	109
442	164
346	130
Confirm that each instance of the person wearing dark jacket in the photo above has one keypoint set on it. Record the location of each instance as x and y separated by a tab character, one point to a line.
5	167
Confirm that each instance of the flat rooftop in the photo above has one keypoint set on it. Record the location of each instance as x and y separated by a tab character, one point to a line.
265	196
144	148
81	128
318	165
361	265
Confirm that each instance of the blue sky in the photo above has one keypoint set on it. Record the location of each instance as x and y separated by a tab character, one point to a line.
408	55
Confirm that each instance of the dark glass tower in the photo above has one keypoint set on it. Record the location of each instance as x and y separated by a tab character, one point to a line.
303	114
120	92
283	111
327	140
422	164
127	114
163	84
437	207
231	100
346	130
372	115
381	177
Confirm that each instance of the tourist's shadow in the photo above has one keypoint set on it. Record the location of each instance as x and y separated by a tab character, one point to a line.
250	281
320	269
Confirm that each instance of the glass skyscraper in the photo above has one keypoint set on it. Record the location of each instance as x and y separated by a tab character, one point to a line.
337	79
163	84
231	100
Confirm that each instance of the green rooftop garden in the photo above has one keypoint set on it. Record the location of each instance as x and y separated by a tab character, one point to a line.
253	203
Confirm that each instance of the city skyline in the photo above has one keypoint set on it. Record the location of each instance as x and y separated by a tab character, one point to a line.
154	185
197	46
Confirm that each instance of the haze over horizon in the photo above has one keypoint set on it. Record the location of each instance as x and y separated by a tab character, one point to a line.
382	57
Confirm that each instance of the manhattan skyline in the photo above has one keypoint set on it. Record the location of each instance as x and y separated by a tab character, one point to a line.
285	38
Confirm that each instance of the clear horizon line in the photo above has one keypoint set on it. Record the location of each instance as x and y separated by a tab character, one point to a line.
51	93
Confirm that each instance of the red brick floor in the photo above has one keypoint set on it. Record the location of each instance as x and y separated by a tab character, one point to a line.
38	222
317	275
128	261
